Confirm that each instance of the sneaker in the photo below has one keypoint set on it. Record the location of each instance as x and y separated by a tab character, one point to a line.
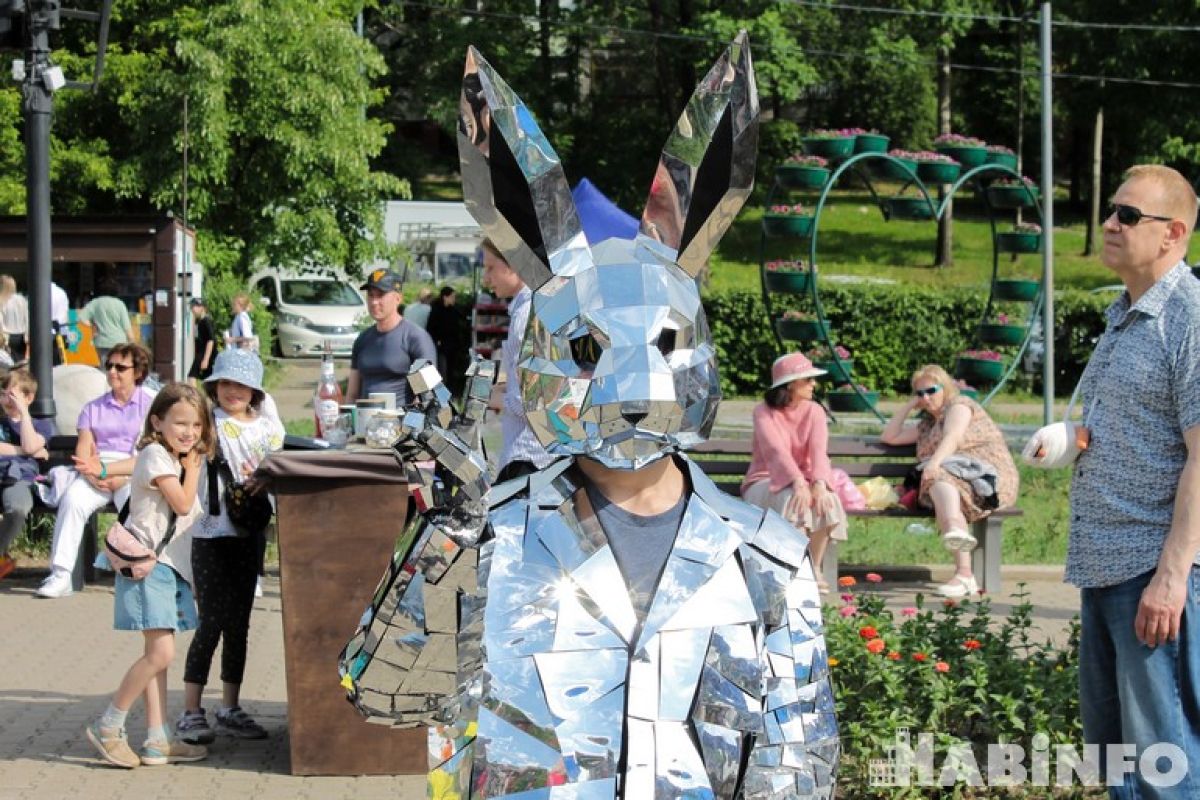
155	754
959	541
237	722
112	746
959	587
57	585
7	565
193	728
258	587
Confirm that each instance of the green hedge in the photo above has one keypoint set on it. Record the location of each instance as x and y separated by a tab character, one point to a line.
891	330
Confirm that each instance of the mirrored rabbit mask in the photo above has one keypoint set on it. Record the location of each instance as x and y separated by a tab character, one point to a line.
617	362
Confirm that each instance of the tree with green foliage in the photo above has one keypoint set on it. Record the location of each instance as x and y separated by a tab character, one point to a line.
279	135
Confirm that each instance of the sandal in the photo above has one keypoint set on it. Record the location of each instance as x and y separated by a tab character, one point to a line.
958	540
959	587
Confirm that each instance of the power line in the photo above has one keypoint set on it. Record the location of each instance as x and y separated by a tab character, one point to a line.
840	54
1061	23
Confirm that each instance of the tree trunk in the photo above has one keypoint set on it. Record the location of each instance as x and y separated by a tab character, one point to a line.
1093	222
945	238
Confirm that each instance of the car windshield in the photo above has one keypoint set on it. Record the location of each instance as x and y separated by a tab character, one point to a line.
320	293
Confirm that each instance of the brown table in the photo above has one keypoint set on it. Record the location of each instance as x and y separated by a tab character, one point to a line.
339	514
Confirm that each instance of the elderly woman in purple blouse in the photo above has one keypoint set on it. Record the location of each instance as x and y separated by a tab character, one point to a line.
104	458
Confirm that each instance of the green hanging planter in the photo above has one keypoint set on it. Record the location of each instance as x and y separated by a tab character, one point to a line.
802	330
839	371
938	171
839	147
1002	159
787	224
979	369
852	401
871	143
1018	242
800	176
971	393
969	157
892	169
1021	290
1002	334
790	282
908	208
1012	196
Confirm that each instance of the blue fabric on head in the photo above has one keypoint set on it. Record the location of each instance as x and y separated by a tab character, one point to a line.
240	366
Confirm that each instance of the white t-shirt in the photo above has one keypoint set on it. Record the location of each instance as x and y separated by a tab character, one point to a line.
243	328
150	513
16	315
242	443
60	306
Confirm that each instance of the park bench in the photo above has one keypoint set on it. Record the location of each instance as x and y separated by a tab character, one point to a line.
726	461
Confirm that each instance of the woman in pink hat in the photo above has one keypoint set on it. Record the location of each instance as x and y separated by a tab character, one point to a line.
789	465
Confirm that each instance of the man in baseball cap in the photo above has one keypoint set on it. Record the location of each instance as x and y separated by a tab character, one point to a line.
385	280
383	353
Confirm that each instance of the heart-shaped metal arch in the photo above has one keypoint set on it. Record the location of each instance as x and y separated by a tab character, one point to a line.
859	163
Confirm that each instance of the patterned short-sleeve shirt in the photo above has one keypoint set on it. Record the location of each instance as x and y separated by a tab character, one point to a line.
1141	391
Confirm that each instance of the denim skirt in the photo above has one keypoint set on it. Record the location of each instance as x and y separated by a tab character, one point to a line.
161	600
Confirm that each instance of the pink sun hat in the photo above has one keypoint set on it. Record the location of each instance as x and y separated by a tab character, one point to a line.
793	367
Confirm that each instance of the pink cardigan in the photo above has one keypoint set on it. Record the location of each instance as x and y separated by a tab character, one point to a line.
789	442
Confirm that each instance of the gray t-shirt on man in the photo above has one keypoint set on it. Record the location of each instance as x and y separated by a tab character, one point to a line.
383	359
641	545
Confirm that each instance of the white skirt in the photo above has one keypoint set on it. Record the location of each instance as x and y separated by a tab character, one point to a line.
830	518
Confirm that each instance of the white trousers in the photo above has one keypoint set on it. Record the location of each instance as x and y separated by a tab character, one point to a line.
74	509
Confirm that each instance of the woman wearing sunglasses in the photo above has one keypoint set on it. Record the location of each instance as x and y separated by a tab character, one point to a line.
789	468
108	427
966	468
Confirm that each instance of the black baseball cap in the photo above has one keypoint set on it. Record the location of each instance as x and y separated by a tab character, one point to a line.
197	302
385	281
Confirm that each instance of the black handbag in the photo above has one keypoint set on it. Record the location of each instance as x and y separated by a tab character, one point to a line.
250	513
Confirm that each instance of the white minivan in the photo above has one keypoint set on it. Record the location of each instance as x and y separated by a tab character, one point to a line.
311	309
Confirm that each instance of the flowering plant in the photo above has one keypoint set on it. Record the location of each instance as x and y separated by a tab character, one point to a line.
961	384
1027	227
786	210
930	157
958	140
803	160
799	316
999	148
981	355
850	388
999	319
786	266
1014	182
834	133
905	154
821	352
951	671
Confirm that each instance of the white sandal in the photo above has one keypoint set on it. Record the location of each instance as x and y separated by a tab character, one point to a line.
958	540
959	587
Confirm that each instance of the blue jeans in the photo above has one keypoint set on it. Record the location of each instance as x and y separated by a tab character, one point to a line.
1130	693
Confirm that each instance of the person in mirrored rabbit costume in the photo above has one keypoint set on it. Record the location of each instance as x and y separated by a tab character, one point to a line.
617	627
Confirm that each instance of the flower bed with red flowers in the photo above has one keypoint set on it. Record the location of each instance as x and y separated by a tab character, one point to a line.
952	670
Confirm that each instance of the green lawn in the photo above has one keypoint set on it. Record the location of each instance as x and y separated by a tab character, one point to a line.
854	239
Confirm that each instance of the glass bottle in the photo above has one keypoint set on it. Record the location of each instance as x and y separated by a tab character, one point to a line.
328	395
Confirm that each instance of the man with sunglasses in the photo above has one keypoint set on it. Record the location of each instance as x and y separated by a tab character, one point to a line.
1135	492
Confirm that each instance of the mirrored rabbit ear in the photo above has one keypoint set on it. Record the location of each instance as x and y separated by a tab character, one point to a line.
513	181
706	170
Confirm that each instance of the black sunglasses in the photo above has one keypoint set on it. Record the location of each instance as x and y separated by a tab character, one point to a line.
1129	215
930	392
118	367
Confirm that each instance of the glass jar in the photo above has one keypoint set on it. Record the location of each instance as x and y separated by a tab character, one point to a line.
383	429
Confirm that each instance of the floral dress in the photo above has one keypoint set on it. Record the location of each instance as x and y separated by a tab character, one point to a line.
983	441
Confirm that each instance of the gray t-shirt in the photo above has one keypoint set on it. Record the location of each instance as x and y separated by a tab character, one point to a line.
640	544
383	359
